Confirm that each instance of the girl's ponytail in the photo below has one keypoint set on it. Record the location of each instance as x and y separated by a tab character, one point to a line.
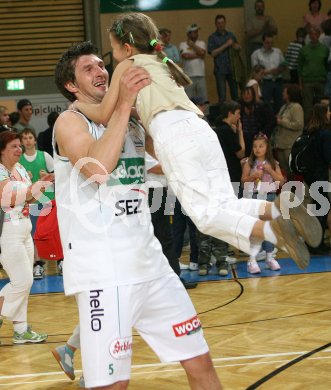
177	72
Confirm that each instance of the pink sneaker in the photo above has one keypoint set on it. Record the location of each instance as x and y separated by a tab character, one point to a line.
272	264
253	268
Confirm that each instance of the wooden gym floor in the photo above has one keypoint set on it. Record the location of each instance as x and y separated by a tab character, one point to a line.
270	331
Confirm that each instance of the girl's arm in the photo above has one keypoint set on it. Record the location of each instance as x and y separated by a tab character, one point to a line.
246	177
101	113
276	173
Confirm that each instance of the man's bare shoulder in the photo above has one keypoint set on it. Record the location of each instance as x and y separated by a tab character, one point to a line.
72	134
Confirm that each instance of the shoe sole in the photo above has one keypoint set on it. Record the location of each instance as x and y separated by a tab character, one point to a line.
306	225
28	341
58	358
224	273
203	273
287	238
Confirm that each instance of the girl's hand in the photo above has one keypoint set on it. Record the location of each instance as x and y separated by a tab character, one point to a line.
258	174
267	168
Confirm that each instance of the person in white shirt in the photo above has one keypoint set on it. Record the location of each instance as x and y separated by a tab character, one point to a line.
273	61
193	52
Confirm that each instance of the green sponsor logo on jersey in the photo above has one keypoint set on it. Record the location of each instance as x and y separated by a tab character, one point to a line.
128	171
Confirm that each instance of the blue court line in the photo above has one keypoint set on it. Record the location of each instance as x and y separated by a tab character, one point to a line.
54	283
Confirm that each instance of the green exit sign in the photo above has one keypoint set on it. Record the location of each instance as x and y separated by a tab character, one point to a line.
15	85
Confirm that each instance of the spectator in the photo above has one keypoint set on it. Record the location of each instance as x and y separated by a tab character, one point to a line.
262	177
193	53
256	117
230	135
37	164
180	222
16	241
319	128
259	25
312	68
24	108
314	18
159	204
45	138
255	80
326	40
219	46
171	50
4	119
13	119
292	54
290	122
274	63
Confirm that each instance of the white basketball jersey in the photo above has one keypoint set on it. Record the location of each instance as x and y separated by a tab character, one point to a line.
106	230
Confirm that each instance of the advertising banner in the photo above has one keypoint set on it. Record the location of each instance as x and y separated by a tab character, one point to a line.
111	6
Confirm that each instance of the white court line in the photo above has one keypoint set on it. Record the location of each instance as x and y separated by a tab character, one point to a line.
169	364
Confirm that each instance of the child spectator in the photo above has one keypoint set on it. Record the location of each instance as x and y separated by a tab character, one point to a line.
263	177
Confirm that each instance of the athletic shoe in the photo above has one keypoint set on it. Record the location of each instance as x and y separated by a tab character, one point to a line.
263	254
82	382
272	264
188	285
60	267
223	270
203	270
253	268
38	272
65	357
288	239
183	266
29	336
193	266
307	226
231	260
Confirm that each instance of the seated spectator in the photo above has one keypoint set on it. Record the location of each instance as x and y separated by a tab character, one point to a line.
290	124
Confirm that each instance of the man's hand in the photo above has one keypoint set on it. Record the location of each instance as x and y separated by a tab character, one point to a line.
132	81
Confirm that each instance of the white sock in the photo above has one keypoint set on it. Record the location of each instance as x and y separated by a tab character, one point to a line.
275	213
20	327
269	234
74	339
252	260
270	256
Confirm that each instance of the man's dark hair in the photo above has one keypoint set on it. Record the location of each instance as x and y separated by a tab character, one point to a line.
267	35
294	93
228	107
220	16
65	68
51	118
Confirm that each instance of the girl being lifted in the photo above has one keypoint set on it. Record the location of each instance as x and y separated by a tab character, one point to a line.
190	154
